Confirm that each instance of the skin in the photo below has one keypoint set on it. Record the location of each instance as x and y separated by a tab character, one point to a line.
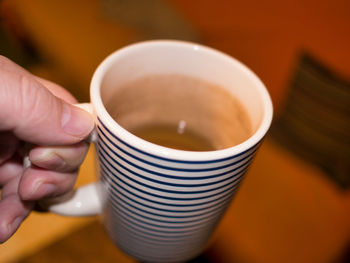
39	112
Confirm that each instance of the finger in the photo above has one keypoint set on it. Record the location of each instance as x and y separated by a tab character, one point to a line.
59	158
34	114
38	183
8	65
13	210
57	90
12	168
8	146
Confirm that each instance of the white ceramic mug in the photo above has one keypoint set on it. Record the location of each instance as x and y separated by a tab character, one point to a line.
160	204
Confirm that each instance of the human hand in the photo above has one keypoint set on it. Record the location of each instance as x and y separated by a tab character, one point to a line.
36	111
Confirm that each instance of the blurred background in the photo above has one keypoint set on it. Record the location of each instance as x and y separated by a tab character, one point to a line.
294	205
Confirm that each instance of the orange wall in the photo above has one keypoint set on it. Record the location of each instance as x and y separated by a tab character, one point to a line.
268	35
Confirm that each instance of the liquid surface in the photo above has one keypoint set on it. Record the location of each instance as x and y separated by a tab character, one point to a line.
180	112
169	136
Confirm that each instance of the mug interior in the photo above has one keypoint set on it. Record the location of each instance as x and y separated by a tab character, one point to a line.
181	58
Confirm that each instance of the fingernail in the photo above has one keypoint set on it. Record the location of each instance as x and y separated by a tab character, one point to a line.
42	190
47	159
75	121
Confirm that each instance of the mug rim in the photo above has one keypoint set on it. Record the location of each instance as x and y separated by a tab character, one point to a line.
170	153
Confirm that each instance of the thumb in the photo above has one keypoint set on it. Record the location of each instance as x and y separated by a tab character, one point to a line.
35	115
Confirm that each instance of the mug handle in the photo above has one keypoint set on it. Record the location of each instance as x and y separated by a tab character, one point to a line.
83	201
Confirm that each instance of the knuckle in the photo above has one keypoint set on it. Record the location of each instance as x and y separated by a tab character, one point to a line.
16	93
27	97
4	61
34	102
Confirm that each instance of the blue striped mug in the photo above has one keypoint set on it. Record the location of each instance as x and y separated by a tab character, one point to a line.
160	204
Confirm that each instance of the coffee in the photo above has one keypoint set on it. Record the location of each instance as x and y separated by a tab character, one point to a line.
180	112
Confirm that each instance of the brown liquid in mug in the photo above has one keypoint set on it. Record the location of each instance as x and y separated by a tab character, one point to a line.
180	112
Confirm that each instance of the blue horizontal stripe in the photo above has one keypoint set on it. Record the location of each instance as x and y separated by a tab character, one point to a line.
130	236
145	235
169	198
184	229
214	211
113	173
170	176
249	157
168	159
142	244
102	135
194	222
239	175
146	244
152	232
162	209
